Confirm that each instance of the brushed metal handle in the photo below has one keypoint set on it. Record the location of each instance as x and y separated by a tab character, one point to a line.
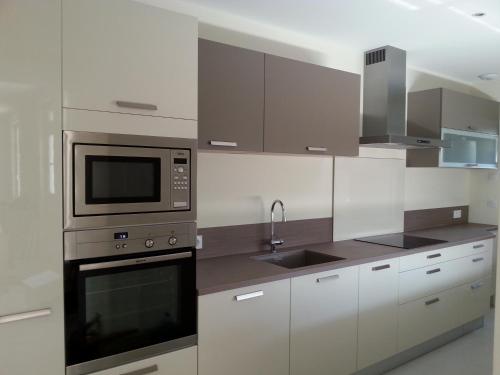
471	164
432	301
477	285
327	278
433	256
135	105
223	143
135	261
24	315
475	260
379	268
317	149
243	297
142	371
436	270
478	246
423	141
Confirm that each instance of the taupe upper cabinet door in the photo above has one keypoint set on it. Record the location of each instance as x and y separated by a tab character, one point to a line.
467	112
231	97
310	109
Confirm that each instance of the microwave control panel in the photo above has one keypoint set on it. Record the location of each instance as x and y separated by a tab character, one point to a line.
180	188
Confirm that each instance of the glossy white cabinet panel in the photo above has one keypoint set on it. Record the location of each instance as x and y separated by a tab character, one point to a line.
107	122
428	258
30	188
378	311
475	300
245	331
180	362
121	50
323	327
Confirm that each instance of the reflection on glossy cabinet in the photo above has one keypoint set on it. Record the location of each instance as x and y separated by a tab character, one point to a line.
127	57
323	327
378	311
245	331
180	362
231	97
310	109
31	295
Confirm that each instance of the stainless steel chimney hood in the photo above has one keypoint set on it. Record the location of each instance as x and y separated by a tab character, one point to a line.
384	102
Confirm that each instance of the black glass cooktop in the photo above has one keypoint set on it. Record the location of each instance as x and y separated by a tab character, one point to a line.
401	240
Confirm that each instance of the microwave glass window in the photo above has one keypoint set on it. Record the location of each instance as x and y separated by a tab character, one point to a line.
117	179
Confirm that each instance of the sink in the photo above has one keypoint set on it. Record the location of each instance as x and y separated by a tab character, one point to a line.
297	259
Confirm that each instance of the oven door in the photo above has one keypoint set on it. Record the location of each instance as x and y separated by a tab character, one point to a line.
118	180
127	308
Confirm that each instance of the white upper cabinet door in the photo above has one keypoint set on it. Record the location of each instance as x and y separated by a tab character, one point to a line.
378	311
31	280
127	57
245	331
324	317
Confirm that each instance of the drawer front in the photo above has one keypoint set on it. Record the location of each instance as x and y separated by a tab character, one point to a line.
476	247
428	317
476	267
429	280
474	300
180	362
429	258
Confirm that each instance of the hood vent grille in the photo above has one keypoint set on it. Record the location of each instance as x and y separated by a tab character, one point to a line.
375	57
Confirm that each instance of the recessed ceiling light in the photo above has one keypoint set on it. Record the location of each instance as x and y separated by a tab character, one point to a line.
478	14
488	76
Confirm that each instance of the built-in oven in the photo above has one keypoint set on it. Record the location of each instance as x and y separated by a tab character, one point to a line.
130	294
117	179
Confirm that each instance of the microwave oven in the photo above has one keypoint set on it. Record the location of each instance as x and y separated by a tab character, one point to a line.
118	179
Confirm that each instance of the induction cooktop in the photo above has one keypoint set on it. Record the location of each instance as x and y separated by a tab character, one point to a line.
401	240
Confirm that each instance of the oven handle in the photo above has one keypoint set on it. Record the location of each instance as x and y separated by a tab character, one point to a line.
134	262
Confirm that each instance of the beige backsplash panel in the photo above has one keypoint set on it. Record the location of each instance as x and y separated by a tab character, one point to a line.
369	197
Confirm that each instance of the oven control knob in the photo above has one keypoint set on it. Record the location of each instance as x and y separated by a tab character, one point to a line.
149	244
172	240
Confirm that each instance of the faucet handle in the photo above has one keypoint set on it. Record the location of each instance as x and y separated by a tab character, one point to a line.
277	242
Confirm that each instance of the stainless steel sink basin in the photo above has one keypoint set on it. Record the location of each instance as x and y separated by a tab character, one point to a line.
297	259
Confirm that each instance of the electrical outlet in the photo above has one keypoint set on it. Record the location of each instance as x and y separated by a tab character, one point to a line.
457	214
199	242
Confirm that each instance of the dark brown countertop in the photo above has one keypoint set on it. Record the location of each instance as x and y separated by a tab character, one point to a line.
236	271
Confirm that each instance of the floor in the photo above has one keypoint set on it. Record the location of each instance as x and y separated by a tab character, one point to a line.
469	355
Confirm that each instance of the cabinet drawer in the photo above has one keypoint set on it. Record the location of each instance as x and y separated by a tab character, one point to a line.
476	247
476	267
429	258
428	317
474	300
180	362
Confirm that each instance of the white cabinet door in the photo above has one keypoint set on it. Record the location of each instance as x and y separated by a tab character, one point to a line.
180	362
323	327
378	311
31	281
124	51
245	331
475	300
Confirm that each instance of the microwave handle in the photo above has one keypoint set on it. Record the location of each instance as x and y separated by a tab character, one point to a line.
134	262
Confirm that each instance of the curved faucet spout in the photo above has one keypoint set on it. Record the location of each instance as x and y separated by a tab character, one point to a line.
274	241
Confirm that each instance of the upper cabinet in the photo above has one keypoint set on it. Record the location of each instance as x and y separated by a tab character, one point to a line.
249	101
126	57
231	97
310	109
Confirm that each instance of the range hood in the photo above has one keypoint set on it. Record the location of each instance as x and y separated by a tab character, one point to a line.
384	102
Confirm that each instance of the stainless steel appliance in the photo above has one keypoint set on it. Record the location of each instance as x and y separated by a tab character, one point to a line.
401	240
384	102
116	179
130	293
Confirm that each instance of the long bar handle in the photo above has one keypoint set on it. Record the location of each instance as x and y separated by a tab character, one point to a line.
432	301
478	246
135	261
142	371
437	255
475	260
316	149
477	285
135	105
24	315
223	143
383	267
327	278
436	270
243	297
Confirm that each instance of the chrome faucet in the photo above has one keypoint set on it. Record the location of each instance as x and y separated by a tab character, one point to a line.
275	241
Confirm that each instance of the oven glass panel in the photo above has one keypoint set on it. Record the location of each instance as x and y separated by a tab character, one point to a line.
118	179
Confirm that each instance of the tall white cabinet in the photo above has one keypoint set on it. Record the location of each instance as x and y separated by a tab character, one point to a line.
31	281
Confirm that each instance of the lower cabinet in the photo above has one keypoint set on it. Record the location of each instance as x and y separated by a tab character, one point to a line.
323	327
245	331
378	312
180	362
474	300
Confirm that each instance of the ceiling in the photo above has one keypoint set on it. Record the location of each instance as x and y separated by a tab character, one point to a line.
440	35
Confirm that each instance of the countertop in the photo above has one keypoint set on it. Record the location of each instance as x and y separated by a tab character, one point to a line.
236	271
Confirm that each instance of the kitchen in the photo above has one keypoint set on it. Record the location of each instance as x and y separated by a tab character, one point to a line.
144	146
